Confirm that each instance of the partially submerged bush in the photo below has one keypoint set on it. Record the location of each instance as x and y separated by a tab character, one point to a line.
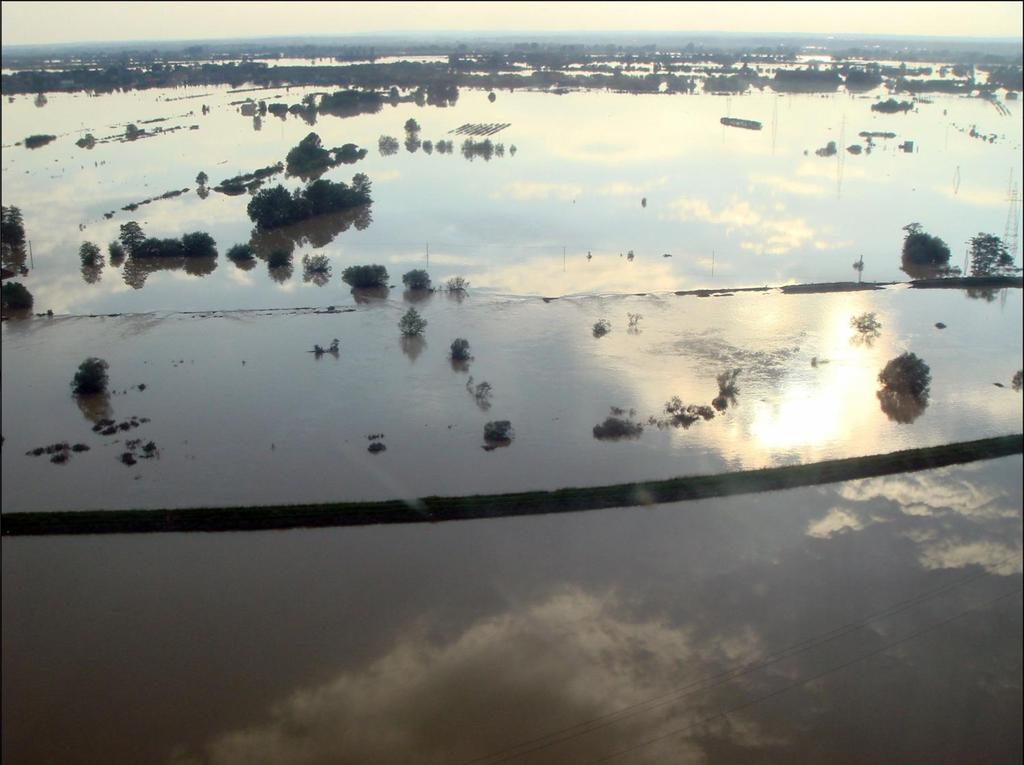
481	392
154	247
365	276
727	390
616	428
333	348
498	431
460	350
279	259
866	325
602	327
241	252
1017	382
15	296
91	377
457	284
866	329
198	244
387	145
316	269
412	324
417	279
681	415
116	252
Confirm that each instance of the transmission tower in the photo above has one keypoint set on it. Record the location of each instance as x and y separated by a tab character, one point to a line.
1010	235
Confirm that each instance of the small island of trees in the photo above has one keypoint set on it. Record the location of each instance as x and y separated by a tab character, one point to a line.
310	158
276	207
196	244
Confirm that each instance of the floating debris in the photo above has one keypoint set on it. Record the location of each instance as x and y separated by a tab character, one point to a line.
736	122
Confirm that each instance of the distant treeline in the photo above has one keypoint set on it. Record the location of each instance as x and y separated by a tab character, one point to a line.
439	81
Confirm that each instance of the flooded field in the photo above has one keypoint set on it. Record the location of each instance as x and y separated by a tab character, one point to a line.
872	620
846	623
598	174
242	412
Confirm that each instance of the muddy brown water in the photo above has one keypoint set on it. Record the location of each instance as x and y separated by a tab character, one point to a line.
842	623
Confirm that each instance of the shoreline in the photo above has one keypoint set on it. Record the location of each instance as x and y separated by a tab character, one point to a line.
437	509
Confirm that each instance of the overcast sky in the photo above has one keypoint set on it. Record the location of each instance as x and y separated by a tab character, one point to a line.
59	22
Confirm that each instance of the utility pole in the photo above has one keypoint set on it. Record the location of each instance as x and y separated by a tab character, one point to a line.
30	258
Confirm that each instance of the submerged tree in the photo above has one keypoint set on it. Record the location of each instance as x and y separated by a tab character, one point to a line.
363	277
456	284
412	324
387	145
116	252
131	236
12	246
727	390
499	432
417	279
906	384
90	254
867	328
15	296
316	269
91	377
990	257
460	350
925	255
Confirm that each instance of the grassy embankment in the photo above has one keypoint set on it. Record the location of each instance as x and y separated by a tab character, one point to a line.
432	509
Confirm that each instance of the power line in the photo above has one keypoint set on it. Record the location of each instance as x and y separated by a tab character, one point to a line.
912	636
713	681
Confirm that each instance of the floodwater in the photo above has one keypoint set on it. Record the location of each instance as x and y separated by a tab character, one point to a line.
871	621
243	413
875	620
731	207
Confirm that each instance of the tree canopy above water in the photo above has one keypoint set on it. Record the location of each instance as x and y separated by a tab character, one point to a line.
275	207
